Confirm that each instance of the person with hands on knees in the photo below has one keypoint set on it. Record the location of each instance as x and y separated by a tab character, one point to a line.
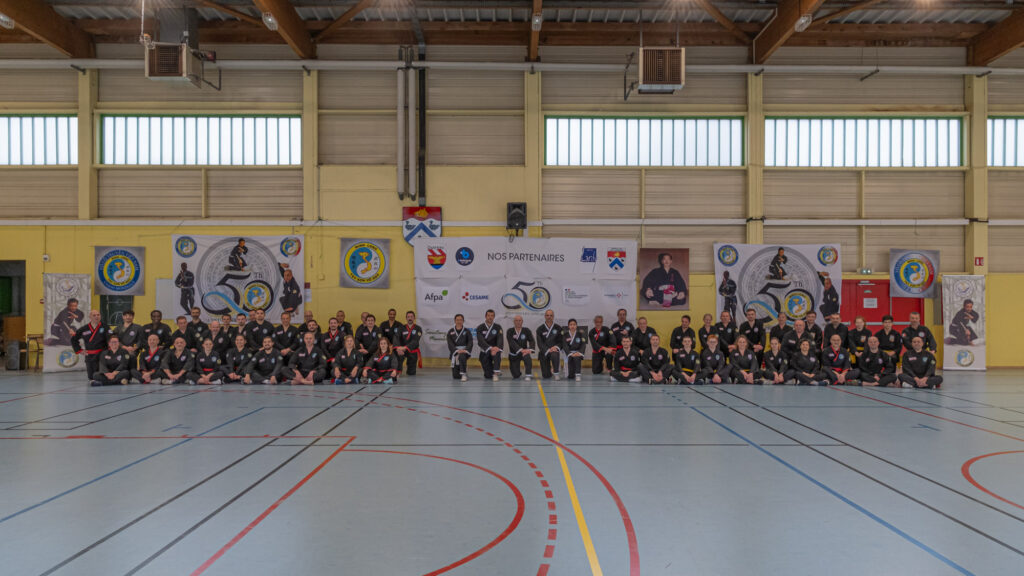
521	349
776	364
744	364
460	346
266	364
627	363
919	366
574	345
688	363
347	362
656	365
714	363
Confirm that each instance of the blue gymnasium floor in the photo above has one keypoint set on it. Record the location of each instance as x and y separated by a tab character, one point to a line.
436	477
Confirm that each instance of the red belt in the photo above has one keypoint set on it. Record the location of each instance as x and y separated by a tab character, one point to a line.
207	369
419	357
90	352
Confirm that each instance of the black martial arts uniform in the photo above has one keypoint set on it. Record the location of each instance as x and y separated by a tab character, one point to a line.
459	340
620	331
235	362
714	362
891	343
264	366
920	365
572	343
256	332
829	300
288	339
186	282
791	342
369	340
642	340
727	289
675	341
383	367
726	334
807	369
303	361
199	331
119	362
877	368
291	292
836	362
754	334
222	342
857	343
148	361
389	329
236	260
174	363
776	364
778	331
659	360
817	337
90	340
602	339
688	364
703	334
548	336
486	337
190	342
130	336
842	330
922	332
160	329
211	365
662	283
745	363
627	366
776	269
517	342
332	343
62	329
348	364
409	337
960	329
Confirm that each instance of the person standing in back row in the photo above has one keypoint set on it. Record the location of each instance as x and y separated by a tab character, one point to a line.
602	346
91	339
917	330
407	345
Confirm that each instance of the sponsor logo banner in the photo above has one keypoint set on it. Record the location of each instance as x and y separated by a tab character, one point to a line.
120	270
963	313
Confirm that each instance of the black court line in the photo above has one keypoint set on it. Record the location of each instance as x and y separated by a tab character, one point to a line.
84	409
947	407
235	498
895	465
138	519
139	408
972	401
869	476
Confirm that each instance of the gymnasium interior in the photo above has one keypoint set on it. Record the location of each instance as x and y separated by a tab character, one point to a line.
451	156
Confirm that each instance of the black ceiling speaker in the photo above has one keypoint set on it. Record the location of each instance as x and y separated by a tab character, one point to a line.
515	217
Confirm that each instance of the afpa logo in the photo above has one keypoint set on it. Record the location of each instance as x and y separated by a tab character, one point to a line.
435	297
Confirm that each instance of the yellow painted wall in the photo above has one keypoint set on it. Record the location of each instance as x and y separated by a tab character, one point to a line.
1005	309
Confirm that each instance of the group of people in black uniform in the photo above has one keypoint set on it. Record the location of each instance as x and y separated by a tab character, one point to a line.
798	352
258	352
249	351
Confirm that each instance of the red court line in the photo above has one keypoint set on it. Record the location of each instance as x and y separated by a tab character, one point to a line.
627	522
966	471
520	509
267	512
181	437
39	394
930	415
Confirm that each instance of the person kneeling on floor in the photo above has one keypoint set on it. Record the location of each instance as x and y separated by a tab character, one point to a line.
114	365
919	367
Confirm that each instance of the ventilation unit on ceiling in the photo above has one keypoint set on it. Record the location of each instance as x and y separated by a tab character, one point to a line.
662	70
167	61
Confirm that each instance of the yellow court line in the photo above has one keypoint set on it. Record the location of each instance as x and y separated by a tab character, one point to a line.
588	544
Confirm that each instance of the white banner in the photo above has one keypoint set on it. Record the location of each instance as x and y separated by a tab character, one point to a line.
963	313
913	273
573	277
232	274
66	303
771	278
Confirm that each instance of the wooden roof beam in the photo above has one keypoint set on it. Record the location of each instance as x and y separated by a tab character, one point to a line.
343	19
998	41
230	11
724	21
840	13
290	26
534	49
42	22
775	34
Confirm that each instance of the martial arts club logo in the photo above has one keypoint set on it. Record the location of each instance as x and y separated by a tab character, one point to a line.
963	289
728	255
616	258
67	358
964	358
291	246
185	247
436	257
67	288
235	276
768	286
464	256
828	255
420	222
365	263
118	270
527	295
914	273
